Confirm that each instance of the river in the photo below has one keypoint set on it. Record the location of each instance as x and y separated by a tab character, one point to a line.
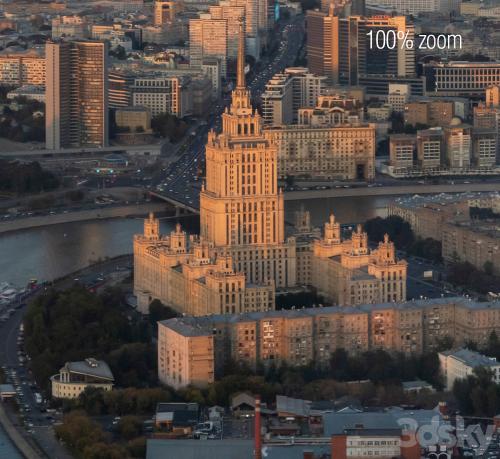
49	252
7	448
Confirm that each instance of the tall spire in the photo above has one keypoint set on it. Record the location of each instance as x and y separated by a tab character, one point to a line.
240	82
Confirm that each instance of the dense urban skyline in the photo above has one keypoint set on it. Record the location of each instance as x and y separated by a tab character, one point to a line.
249	229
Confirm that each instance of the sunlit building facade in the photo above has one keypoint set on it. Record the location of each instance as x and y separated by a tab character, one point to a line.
305	336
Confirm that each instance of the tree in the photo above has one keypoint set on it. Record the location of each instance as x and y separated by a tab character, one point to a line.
169	126
158	311
137	447
130	427
63	326
79	432
489	267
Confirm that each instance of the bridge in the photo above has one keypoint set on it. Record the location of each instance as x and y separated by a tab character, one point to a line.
180	207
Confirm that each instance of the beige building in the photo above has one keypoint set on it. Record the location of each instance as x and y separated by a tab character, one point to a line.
345	151
349	273
448	220
402	150
288	92
338	47
76	94
475	242
431	113
332	110
310	335
75	377
135	119
161	94
241	254
22	68
460	363
164	12
185	355
208	38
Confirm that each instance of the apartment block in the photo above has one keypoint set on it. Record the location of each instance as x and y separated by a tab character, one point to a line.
22	68
298	337
289	91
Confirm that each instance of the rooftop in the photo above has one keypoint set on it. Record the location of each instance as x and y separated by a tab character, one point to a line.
203	325
90	367
471	358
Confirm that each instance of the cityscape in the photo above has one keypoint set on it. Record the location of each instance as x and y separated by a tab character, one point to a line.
249	229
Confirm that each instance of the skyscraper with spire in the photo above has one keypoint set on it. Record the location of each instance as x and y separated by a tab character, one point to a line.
241	207
242	254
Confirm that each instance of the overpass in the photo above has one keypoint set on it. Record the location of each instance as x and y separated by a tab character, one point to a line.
353	192
85	152
179	205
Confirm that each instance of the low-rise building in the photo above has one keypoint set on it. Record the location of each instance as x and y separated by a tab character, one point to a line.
461	363
31	92
74	377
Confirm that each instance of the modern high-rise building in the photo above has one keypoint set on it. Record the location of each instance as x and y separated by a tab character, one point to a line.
76	94
120	84
458	142
340	47
208	38
233	15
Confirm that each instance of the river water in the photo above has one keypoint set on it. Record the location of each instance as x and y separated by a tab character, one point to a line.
53	251
7	448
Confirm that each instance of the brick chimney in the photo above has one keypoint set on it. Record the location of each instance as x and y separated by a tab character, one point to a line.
258	439
443	409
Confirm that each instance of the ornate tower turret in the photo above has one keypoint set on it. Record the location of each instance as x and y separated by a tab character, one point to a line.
152	227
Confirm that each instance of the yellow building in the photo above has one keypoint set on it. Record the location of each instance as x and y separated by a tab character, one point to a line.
75	377
135	119
299	337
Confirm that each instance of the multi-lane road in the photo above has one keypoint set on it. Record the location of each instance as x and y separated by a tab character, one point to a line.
180	182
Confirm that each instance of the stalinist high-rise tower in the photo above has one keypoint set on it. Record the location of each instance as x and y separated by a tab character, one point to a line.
242	254
241	207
